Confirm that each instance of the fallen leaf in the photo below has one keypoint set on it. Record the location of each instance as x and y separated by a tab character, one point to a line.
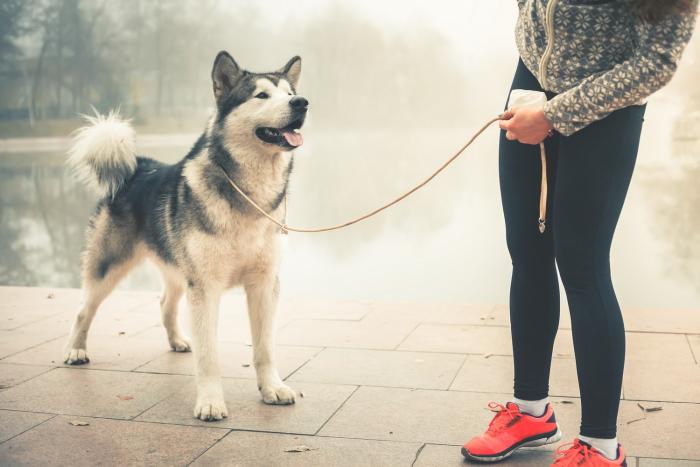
125	397
649	409
245	365
300	448
50	296
301	393
635	420
78	423
566	402
121	333
488	355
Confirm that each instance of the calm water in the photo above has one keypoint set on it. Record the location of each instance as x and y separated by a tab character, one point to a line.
445	244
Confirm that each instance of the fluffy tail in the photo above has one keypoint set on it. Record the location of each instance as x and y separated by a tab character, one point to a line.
103	154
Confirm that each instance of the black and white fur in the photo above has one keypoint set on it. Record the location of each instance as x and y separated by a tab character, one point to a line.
188	220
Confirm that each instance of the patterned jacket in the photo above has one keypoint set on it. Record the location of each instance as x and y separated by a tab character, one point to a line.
597	55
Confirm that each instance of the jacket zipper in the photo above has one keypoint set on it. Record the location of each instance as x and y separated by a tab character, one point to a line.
549	30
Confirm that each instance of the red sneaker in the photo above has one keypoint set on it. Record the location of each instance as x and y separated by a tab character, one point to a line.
509	430
579	453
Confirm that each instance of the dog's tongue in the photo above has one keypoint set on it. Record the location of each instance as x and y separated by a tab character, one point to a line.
293	138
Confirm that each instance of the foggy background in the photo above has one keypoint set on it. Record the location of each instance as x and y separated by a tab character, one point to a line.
395	87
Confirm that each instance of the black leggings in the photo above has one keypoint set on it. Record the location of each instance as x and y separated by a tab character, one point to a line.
589	173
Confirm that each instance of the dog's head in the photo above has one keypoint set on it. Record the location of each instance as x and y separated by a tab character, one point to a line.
259	110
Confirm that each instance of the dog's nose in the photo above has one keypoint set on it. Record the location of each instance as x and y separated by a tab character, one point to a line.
298	103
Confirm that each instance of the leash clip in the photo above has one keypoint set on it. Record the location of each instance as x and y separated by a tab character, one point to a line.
542	225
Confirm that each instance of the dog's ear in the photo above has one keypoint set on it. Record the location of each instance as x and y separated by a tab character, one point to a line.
292	70
224	74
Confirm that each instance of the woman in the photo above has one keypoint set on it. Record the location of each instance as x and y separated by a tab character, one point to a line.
597	61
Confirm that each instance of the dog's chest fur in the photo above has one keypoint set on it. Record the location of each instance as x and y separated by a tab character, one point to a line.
243	242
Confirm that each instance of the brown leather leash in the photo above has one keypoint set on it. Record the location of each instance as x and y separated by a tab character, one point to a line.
286	228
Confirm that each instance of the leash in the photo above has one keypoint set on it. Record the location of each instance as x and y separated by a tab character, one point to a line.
286	228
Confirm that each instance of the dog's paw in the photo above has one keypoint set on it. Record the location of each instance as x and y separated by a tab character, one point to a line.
180	344
278	394
210	409
76	357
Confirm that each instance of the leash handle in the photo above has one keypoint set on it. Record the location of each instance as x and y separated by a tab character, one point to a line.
285	229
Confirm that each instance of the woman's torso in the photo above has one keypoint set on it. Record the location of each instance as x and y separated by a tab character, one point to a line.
562	42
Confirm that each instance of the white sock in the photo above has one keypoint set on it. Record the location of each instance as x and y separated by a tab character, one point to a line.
607	447
534	408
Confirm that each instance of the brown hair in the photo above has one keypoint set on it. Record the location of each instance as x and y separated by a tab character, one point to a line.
655	10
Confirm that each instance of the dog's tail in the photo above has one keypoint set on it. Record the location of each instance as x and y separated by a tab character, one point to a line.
103	154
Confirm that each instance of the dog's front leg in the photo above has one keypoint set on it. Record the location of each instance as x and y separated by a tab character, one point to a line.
262	294
204	307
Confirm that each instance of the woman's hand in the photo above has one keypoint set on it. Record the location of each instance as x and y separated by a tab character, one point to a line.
528	125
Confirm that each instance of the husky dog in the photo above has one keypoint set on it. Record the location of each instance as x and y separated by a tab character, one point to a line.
187	218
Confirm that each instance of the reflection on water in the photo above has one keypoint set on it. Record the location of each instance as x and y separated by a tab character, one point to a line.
445	244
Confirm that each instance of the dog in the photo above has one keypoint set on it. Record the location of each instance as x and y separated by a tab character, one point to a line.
202	235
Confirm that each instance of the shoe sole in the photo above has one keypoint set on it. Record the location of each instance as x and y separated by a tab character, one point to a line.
548	438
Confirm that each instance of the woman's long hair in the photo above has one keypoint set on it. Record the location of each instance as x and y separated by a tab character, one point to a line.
655	10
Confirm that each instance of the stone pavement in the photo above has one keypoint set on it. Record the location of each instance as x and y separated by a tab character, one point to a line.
383	385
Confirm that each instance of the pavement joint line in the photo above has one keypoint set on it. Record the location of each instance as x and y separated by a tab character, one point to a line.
159	401
286	378
30	428
415	459
34	346
406	336
354	391
695	357
39	320
208	448
452	381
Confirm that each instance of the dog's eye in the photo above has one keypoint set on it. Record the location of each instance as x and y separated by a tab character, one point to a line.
262	95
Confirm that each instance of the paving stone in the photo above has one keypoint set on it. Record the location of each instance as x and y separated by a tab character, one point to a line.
673	381
234	450
381	368
485	340
13	423
668	320
671	433
12	375
369	333
235	360
495	375
451	456
246	410
113	394
18	340
106	353
459	339
647	462
107	442
657	347
437	313
348	310
694	342
410	415
24	305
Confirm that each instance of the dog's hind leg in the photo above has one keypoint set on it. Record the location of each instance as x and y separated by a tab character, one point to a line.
262	293
173	289
112	251
97	284
204	309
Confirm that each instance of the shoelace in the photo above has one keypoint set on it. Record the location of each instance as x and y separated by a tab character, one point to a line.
503	418
575	453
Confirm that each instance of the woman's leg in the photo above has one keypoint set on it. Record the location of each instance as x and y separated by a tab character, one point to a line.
534	290
594	172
